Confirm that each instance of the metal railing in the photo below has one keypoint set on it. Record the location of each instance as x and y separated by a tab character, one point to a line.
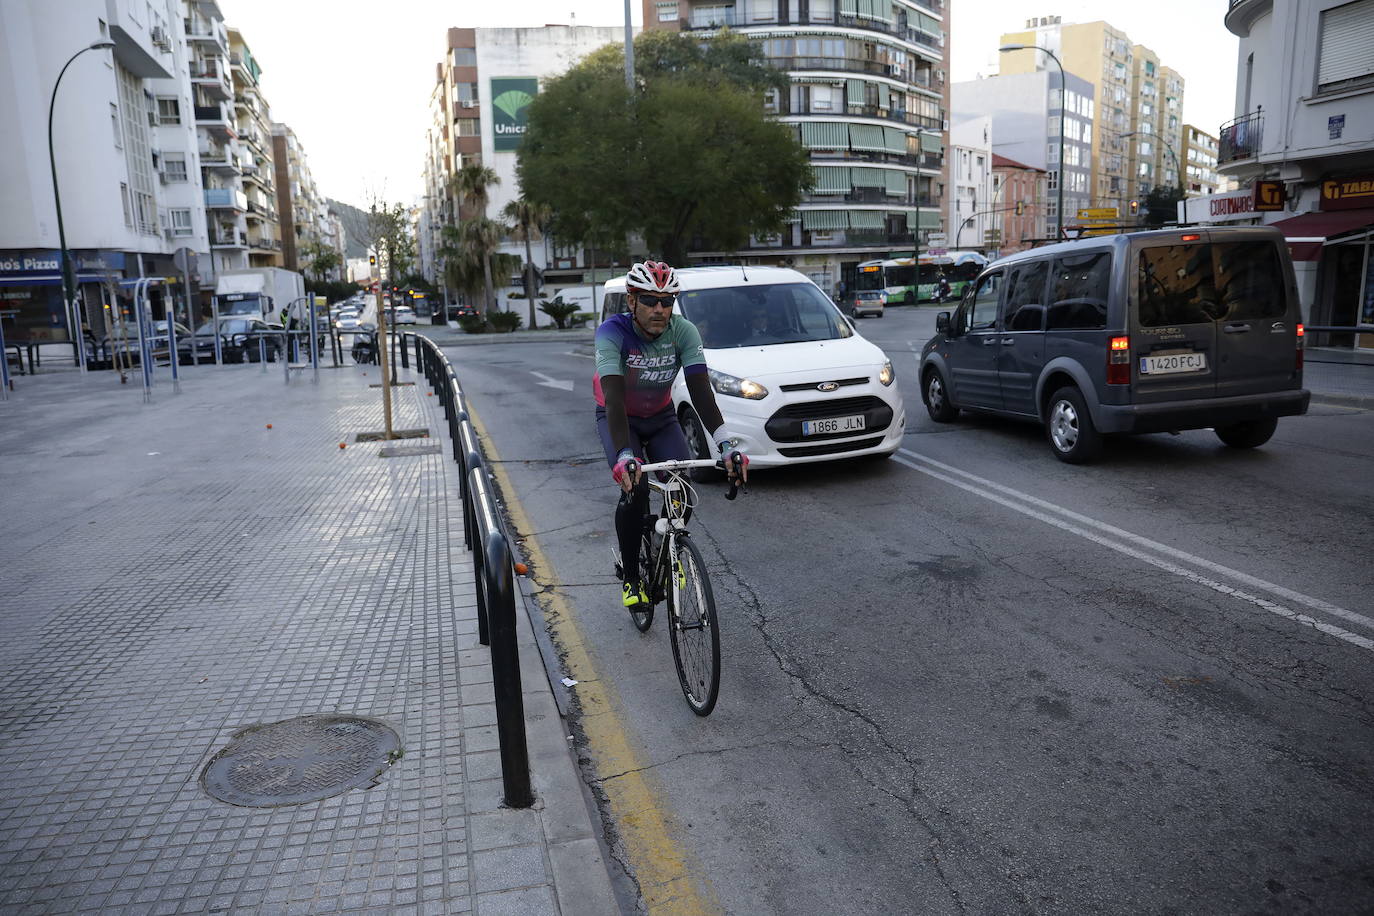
1241	138
484	534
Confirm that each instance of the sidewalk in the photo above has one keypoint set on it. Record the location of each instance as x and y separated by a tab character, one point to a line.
1339	376
176	572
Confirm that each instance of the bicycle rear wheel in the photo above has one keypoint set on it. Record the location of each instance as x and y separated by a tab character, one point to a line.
643	615
695	636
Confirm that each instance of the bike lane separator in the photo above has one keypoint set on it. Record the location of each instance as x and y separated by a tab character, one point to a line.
668	878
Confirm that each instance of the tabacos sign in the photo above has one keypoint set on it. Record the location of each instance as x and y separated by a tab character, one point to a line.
510	102
1348	193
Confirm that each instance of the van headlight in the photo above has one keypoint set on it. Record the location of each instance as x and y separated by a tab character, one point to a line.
736	387
885	374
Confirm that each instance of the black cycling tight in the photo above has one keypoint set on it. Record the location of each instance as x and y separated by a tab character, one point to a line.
629	527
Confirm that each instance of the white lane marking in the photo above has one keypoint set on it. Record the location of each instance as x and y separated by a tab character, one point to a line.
548	382
579	355
1265	604
1287	594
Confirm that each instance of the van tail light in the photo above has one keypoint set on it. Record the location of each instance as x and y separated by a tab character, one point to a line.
1119	361
1301	332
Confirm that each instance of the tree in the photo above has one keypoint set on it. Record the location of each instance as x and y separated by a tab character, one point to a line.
527	217
462	274
1161	205
690	154
320	259
479	238
471	184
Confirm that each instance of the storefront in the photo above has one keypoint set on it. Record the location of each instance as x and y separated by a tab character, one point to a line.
1337	237
31	303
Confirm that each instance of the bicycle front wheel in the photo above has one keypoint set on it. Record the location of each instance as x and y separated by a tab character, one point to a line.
695	636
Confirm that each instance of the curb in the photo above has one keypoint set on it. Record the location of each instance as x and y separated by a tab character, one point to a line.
447	337
1365	402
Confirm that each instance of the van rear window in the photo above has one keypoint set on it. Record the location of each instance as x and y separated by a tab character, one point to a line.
1080	286
1195	284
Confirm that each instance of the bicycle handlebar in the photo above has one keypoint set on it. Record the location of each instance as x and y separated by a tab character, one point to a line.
684	464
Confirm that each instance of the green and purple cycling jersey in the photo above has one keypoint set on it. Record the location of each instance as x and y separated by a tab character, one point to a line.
648	366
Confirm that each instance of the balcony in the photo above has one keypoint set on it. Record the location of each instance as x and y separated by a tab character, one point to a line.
218	158
1241	15
228	239
717	17
1240	139
265	244
215	119
203	31
225	198
212	78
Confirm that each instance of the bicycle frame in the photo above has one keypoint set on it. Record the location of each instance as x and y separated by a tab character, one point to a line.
671	520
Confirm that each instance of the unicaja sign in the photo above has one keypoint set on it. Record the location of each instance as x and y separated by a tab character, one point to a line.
510	102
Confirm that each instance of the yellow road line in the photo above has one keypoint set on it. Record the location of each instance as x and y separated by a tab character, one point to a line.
670	882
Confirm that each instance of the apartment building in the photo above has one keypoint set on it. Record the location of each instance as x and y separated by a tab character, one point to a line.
1135	102
481	65
123	149
1199	155
869	99
1301	148
1028	111
220	153
253	124
302	212
970	193
1019	191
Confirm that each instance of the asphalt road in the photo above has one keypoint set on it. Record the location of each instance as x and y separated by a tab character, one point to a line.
973	679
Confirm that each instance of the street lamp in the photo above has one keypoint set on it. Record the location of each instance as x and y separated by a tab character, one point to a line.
916	231
1178	172
1063	107
68	281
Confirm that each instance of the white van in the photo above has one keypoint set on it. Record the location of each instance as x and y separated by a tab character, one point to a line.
795	382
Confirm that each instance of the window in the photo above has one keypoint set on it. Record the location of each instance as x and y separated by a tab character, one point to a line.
128	208
983	306
1176	286
466	92
464	57
1054	180
763	10
1250	280
1346	49
467	127
822	98
667	12
174	167
181	222
168	110
114	123
1025	308
1080	285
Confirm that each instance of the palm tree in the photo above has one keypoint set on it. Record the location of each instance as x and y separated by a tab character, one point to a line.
470	184
480	237
527	218
462	273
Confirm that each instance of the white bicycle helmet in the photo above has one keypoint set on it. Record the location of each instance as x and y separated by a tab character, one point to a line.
653	277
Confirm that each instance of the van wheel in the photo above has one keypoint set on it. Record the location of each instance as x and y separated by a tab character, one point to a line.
698	444
1069	427
936	395
1247	435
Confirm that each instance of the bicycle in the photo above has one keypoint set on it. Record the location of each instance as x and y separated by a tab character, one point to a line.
683	584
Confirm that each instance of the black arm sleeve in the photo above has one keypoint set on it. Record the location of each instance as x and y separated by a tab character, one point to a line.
703	399
613	388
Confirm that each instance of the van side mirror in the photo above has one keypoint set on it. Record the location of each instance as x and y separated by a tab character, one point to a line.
942	322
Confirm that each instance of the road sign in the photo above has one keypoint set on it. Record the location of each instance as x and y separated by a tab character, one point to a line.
992	235
1099	213
936	239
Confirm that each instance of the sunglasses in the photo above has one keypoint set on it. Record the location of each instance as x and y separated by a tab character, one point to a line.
656	302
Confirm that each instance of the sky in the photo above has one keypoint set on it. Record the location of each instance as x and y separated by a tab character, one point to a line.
353	77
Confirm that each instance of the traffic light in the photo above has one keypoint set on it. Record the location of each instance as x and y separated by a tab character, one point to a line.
372	260
1135	207
1020	207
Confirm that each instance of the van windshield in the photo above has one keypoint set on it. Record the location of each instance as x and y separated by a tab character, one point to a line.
761	315
1194	284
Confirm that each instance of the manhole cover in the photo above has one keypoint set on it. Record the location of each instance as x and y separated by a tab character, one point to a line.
300	760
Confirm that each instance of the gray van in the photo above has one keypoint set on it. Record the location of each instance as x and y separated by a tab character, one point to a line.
1143	332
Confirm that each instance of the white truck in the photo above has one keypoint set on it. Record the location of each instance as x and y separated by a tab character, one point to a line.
261	292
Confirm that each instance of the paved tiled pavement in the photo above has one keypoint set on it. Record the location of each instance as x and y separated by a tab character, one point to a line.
173	572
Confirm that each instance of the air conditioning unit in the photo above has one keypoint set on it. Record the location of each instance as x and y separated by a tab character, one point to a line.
160	38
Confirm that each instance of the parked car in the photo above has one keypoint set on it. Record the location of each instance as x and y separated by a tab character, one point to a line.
403	314
457	312
867	302
239	340
794	381
1144	332
127	343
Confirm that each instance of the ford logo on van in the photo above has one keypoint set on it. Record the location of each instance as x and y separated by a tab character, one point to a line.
828	386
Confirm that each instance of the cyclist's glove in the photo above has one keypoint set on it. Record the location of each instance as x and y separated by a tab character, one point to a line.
728	447
622	464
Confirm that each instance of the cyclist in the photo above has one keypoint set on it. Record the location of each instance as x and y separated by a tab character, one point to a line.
638	354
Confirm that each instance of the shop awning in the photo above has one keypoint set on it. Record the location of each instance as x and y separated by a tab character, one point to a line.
824	219
1307	232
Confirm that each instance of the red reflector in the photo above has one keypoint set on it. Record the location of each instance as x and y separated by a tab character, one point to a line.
1301	329
1191	237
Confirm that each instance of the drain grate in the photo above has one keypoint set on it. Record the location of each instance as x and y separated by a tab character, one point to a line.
300	760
